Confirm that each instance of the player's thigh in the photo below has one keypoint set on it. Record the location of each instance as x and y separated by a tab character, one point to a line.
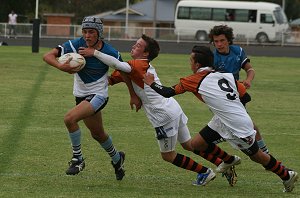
167	144
246	144
183	130
210	135
79	112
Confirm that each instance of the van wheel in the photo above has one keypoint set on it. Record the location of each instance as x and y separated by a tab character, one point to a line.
201	36
262	38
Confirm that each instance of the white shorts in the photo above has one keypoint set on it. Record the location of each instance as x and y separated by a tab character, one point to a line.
230	135
178	127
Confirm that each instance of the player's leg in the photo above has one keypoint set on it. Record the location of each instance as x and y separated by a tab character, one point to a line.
95	125
81	110
186	143
167	143
168	153
203	141
261	143
288	176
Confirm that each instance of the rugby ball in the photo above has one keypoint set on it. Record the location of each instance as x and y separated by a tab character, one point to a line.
77	60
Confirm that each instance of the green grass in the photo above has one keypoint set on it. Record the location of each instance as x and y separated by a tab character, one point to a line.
35	148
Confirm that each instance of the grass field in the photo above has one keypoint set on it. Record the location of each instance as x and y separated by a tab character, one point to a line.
35	147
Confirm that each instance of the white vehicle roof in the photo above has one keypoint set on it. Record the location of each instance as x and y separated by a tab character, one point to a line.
229	4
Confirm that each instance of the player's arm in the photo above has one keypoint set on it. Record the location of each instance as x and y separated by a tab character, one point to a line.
112	61
124	68
51	58
250	74
244	96
134	99
166	92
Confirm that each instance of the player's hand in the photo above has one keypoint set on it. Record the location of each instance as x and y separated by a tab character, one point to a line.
148	78
86	52
66	67
247	84
135	101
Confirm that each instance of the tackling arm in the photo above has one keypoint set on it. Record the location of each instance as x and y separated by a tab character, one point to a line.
112	62
166	92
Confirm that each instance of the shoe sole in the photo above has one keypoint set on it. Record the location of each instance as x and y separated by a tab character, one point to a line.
233	179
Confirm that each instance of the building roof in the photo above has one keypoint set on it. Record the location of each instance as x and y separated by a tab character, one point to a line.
144	11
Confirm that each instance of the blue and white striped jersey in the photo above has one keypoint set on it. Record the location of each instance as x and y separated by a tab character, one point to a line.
92	79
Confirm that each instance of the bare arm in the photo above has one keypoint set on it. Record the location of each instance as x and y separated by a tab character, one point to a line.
51	58
250	75
134	99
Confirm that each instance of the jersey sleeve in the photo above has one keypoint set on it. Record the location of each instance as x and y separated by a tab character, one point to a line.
244	58
190	84
241	88
115	78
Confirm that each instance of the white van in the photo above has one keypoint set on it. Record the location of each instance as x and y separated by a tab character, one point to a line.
261	21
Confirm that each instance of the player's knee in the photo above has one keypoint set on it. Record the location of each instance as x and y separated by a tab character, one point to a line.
69	119
198	144
168	157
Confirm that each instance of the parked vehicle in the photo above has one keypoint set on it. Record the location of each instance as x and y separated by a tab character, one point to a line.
261	21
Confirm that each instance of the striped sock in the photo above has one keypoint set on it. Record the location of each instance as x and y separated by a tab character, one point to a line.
187	163
218	152
111	150
276	167
76	145
209	157
262	145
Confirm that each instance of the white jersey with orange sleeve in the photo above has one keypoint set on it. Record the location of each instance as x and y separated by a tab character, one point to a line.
220	93
159	110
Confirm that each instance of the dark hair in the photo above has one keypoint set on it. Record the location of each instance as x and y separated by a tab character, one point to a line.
221	29
152	47
203	56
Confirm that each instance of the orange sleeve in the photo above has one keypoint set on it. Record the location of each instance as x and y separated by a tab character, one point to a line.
189	83
241	88
115	78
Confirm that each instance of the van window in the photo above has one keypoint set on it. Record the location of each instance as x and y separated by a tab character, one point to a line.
280	16
241	15
252	16
201	13
266	18
219	14
183	13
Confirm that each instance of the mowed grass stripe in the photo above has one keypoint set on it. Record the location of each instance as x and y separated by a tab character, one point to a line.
11	140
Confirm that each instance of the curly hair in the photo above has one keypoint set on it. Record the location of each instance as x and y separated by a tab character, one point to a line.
221	29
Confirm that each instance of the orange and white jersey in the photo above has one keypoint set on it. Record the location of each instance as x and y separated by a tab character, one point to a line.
220	92
159	110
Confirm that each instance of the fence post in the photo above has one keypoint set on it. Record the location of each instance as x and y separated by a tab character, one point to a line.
35	35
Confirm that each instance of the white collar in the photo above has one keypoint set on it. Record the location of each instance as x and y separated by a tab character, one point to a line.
204	69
